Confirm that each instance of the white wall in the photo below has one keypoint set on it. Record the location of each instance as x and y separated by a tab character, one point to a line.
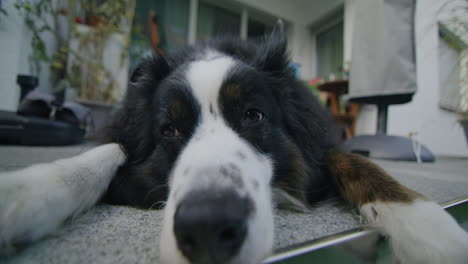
438	129
11	37
15	50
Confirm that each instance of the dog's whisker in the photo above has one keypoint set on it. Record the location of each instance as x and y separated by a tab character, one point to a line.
161	204
316	190
155	189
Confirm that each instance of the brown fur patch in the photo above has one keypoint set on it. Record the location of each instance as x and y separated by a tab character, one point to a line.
176	110
360	181
233	91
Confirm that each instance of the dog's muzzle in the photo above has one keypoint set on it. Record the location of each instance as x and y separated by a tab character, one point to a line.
219	206
211	227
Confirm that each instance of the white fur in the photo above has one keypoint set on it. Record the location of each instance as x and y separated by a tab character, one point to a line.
420	232
212	146
34	201
205	78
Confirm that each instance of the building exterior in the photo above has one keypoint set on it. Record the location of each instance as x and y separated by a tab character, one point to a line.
320	38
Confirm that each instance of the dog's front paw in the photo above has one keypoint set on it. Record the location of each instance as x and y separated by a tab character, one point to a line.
28	206
420	232
35	200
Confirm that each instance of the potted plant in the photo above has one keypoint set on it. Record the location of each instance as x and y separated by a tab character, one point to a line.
97	75
83	33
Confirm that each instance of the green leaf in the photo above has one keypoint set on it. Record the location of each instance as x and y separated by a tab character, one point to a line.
27	6
57	65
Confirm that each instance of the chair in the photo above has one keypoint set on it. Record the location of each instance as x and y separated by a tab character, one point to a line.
381	145
383	72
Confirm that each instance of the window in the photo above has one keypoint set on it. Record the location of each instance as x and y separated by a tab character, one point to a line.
213	21
256	29
214	17
449	70
330	51
172	20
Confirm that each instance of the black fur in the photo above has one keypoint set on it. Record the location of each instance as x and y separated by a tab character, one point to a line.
296	132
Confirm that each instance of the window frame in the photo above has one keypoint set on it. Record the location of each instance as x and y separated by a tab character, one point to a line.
323	24
244	11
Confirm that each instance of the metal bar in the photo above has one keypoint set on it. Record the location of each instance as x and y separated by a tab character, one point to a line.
337	243
192	22
320	243
244	23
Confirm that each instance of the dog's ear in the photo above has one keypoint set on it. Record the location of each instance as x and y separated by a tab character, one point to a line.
307	123
132	124
272	54
312	131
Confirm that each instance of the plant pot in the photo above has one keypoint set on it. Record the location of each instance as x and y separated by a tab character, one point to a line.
27	84
100	115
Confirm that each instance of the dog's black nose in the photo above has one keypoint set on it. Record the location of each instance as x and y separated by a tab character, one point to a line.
211	227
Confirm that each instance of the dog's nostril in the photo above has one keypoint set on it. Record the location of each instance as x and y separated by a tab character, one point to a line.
208	227
188	243
228	235
231	237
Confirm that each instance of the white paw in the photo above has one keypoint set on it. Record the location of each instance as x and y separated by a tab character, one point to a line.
420	232
34	201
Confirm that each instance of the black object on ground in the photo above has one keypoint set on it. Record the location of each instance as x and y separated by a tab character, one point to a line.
16	129
27	84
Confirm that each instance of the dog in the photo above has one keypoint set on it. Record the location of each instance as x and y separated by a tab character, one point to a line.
216	134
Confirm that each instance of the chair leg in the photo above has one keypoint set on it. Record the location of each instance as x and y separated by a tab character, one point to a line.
382	114
353	112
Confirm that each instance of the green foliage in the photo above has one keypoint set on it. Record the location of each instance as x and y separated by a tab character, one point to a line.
35	19
46	18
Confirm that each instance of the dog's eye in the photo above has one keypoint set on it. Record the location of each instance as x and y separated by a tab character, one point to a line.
170	130
253	115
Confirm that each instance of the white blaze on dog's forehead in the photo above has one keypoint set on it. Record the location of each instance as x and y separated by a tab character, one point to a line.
206	76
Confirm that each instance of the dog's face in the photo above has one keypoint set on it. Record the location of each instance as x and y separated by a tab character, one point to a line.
211	132
220	182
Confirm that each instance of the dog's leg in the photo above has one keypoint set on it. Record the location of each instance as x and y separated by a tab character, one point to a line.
34	201
420	231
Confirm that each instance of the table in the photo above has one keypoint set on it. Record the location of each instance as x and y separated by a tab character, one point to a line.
335	89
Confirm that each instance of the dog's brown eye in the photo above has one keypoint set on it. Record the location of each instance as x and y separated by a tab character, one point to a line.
253	115
170	130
